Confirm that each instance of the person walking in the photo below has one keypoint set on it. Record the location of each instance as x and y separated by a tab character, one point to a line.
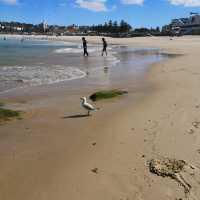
85	52
104	47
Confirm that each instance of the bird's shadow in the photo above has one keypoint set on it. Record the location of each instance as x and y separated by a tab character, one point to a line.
76	116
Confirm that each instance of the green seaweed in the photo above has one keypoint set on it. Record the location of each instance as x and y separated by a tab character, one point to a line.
107	94
6	114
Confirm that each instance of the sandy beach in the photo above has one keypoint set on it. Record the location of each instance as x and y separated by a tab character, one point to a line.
55	152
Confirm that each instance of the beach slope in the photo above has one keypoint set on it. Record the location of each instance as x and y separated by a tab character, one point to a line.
56	152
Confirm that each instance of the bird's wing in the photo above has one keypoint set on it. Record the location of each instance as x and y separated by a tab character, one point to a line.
88	106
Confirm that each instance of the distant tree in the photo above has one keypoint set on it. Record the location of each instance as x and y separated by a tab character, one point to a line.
124	27
158	29
105	27
112	27
115	27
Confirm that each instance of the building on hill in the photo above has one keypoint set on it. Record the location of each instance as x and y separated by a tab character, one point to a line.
184	26
73	29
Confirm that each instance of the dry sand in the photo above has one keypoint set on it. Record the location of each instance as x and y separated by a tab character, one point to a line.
49	155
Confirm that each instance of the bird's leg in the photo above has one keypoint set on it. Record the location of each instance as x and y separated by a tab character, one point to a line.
88	113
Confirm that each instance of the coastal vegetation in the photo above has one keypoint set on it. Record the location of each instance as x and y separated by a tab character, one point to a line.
112	27
107	94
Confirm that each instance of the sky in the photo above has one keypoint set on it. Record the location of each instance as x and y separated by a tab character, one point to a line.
138	13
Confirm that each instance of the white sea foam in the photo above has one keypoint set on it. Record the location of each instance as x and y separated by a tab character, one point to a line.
75	50
38	75
52	43
68	50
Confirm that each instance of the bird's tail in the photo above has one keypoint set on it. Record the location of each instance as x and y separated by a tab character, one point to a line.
96	109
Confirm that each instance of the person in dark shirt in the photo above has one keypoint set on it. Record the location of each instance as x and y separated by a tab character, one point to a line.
104	47
85	53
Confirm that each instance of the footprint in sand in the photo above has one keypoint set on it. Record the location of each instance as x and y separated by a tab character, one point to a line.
190	131
95	170
152	124
196	124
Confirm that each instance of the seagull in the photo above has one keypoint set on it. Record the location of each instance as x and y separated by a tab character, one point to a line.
86	105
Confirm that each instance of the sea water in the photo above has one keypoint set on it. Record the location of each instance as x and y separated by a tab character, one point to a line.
32	62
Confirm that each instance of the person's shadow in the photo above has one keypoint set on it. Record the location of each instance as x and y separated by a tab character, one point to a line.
75	116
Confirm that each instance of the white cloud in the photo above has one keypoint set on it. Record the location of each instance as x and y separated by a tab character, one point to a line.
132	2
187	3
93	5
10	2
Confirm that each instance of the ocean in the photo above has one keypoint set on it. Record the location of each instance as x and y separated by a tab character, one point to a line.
34	62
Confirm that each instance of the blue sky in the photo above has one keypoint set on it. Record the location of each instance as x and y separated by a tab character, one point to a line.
139	13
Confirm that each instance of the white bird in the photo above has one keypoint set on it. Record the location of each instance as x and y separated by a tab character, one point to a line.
87	106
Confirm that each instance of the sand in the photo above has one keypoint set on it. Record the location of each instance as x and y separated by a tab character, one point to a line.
54	153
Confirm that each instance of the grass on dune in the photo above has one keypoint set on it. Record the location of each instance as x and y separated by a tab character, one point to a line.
107	94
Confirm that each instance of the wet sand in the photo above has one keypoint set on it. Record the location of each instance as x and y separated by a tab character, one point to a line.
56	152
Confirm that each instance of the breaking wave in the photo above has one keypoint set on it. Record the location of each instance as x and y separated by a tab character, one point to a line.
14	76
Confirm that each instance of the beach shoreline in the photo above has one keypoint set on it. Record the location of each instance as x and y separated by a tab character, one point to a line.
47	155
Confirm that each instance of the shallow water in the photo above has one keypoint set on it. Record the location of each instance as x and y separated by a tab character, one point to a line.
25	63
